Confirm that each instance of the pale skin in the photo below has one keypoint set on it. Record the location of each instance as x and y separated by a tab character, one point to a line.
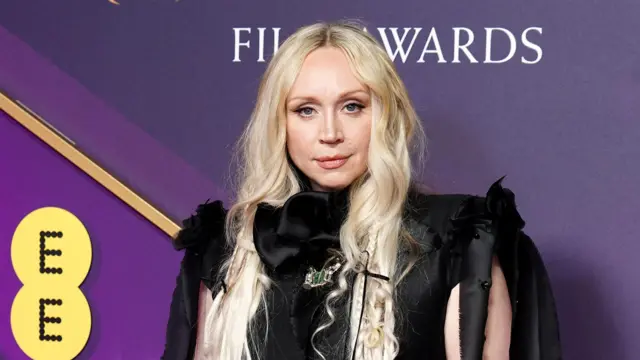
329	115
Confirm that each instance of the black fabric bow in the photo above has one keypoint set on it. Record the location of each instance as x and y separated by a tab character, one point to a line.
301	231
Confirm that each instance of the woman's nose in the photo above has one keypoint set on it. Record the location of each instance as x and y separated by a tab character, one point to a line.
331	130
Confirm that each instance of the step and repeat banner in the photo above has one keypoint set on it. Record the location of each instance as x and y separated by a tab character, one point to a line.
157	92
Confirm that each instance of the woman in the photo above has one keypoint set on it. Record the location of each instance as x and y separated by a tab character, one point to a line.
331	252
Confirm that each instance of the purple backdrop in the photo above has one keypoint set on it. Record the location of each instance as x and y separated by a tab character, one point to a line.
159	77
130	282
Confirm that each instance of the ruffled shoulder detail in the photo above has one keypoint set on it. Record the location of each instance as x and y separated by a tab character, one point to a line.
500	203
448	214
497	212
198	229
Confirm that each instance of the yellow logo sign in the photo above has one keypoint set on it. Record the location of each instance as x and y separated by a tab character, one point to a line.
51	255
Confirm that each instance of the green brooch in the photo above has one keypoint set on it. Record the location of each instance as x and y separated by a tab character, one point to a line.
324	276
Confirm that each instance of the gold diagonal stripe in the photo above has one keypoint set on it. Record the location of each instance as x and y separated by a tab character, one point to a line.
65	147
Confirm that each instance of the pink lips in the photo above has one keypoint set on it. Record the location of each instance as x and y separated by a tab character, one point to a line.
331	162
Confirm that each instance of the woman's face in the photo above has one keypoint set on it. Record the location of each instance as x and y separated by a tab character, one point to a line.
328	121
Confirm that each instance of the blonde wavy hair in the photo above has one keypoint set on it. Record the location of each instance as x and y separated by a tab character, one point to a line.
373	226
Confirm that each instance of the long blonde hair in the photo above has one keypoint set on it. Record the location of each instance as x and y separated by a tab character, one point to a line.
373	225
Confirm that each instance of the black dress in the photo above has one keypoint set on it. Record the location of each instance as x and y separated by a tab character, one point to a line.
458	235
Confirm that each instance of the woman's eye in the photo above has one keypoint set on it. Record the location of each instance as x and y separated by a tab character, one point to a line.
305	111
353	107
